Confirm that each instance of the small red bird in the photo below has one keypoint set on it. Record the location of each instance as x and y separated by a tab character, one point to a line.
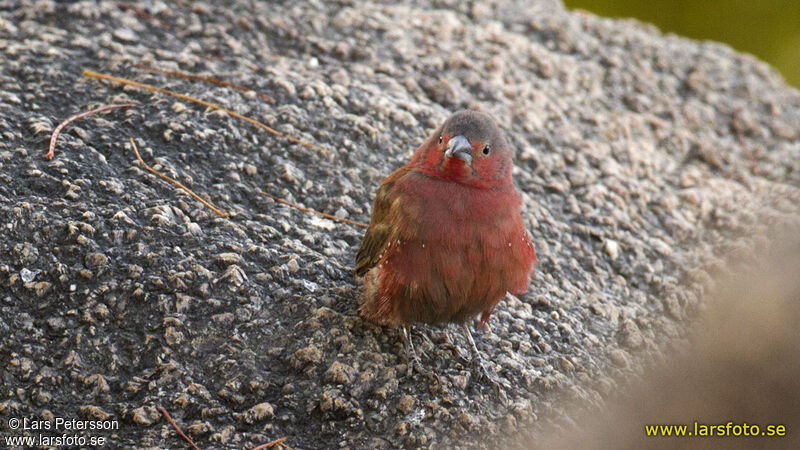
446	239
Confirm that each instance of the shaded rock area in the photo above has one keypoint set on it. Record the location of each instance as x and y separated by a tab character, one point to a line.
742	365
646	164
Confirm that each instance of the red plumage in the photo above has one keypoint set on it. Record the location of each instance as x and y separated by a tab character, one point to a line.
446	239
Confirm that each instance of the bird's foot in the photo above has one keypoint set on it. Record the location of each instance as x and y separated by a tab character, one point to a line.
446	343
414	364
479	371
483	376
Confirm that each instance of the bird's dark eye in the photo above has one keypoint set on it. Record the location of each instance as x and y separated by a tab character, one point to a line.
440	139
486	149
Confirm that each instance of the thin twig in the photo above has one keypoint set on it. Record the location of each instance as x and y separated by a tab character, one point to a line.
192	76
314	211
176	182
91	74
278	442
52	150
177	428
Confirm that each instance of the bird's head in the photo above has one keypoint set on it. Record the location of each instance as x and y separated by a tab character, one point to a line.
469	149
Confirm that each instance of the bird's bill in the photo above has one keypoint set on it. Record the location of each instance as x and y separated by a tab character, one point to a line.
459	147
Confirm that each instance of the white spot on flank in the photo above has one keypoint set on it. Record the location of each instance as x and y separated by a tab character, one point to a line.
423	245
509	244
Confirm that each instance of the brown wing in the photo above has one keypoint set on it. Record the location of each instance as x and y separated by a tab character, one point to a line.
379	229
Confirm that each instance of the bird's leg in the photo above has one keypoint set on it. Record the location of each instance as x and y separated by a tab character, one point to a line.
478	370
411	355
477	361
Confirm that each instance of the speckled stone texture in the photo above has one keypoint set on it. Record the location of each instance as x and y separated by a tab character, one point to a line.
647	163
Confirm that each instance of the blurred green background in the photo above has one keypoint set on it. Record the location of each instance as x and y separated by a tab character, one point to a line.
769	29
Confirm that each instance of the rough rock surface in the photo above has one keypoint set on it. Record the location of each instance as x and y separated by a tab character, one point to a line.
645	161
